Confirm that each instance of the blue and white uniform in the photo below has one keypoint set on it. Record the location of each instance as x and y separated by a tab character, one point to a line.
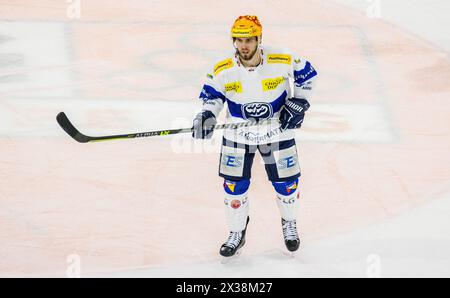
258	93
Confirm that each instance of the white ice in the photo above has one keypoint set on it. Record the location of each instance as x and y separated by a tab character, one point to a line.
121	210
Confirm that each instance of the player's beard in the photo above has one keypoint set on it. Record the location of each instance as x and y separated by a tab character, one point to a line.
248	57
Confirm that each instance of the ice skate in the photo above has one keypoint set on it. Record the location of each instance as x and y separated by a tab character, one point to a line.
235	242
291	238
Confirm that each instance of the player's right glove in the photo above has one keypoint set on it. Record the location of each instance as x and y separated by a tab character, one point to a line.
203	125
293	112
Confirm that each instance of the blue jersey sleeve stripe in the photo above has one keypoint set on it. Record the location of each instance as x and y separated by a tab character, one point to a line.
209	93
278	103
301	76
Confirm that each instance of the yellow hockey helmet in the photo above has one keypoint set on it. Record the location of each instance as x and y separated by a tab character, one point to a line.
246	26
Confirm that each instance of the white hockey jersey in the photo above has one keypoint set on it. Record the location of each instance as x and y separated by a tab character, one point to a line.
257	93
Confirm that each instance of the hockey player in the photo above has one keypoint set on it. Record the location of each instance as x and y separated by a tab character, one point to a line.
254	82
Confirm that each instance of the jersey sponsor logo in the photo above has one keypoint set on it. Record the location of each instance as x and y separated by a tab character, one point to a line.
288	200
252	137
235	86
232	161
235	204
287	162
209	102
242	202
279	58
225	64
257	110
271	84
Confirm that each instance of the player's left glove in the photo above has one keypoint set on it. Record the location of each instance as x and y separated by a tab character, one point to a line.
293	112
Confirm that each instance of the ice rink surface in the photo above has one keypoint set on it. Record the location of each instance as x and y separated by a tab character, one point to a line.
374	148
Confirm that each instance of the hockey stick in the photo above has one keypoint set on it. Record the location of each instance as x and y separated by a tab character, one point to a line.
68	127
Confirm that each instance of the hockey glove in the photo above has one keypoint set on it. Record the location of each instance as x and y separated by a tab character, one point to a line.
203	126
293	112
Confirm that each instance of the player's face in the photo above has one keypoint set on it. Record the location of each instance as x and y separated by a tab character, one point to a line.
246	47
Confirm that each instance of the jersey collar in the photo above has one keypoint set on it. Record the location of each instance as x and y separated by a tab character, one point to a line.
239	64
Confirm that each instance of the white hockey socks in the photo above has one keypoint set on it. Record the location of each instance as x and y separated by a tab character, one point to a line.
236	210
288	199
236	204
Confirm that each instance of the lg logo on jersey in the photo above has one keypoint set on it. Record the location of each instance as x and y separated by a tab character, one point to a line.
257	110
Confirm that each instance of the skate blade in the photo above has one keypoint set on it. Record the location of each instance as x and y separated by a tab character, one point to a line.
290	254
228	260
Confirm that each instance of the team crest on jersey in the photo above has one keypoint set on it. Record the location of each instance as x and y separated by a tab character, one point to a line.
271	84
235	86
279	58
225	64
257	110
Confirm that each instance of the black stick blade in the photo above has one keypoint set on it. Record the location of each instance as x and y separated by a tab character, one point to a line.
68	127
